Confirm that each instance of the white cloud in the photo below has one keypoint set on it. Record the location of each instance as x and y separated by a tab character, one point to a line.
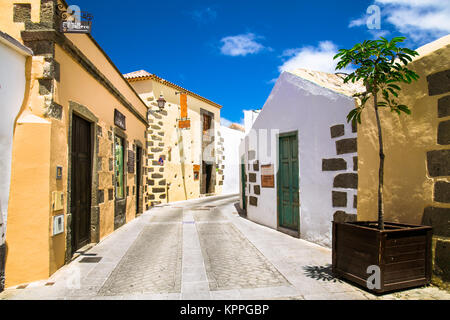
315	58
358	22
204	15
240	45
225	122
420	20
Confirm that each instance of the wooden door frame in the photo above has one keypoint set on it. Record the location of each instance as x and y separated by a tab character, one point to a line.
123	202
139	179
293	233
84	113
214	164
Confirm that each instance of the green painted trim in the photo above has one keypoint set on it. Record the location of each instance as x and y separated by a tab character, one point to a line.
280	228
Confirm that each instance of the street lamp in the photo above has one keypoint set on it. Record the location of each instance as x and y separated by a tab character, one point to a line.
161	102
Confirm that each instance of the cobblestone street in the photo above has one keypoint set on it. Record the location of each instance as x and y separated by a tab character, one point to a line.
201	249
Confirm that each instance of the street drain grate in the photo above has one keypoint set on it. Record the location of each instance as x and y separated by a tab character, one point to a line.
90	260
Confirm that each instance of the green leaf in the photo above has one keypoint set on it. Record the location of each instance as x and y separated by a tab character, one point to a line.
404	108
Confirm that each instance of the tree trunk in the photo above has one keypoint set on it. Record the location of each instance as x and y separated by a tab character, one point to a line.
381	169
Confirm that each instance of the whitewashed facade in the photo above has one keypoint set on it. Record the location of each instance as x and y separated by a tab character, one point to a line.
232	139
13	57
312	106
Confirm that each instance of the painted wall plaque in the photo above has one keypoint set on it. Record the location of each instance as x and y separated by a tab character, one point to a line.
131	161
267	176
119	120
196	171
184	124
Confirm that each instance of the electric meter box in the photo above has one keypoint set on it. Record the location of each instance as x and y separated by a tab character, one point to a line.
58	224
57	200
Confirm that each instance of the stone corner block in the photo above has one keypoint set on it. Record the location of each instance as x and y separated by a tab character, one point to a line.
346	180
346	146
439	219
337	131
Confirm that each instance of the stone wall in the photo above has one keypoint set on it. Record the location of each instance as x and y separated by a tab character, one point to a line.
220	159
155	190
417	173
346	177
438	167
2	266
253	184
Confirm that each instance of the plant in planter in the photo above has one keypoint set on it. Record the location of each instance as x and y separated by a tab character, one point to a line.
401	252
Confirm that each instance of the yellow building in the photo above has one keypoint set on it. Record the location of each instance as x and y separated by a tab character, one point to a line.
183	140
78	148
417	149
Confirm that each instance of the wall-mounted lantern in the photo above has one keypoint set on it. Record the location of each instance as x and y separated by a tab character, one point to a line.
161	103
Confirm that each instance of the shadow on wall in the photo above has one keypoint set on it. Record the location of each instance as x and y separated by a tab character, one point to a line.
241	212
321	273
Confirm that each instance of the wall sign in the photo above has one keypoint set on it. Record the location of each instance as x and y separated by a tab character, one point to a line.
59	172
267	176
119	120
184	124
196	171
131	161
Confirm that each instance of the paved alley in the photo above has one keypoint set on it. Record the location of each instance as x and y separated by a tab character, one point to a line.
201	249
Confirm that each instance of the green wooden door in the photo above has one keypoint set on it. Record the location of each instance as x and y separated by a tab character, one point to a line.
288	186
244	182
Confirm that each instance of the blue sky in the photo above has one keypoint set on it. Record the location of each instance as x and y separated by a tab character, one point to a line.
231	52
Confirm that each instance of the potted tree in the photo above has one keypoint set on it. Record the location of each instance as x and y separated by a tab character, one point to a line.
381	256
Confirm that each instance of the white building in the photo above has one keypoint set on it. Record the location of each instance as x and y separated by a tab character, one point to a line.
250	117
232	138
299	160
13	57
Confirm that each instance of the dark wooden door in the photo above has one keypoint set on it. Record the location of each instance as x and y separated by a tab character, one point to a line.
288	182
138	179
81	182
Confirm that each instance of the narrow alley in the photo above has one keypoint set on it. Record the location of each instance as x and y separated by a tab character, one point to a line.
200	250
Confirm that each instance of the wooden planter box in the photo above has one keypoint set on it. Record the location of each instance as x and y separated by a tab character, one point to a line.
402	251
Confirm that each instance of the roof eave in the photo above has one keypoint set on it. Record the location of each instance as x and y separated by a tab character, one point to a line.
173	85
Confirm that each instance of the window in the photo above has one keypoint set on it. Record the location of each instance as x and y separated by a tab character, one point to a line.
206	123
119	170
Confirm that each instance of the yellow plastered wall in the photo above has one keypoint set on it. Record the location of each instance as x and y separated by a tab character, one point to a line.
28	225
173	138
81	87
407	187
7	23
40	145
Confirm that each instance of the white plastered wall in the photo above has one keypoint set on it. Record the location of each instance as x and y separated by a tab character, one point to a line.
232	139
12	90
296	104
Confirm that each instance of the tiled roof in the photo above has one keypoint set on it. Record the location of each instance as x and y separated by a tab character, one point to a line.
330	81
145	75
137	74
237	126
